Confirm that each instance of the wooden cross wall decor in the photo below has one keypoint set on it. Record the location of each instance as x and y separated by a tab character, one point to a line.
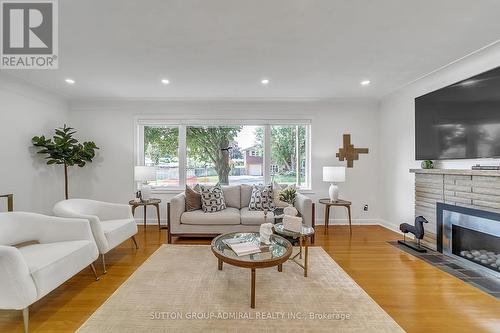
349	153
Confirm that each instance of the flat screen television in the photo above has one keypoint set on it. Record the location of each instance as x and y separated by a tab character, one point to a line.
461	121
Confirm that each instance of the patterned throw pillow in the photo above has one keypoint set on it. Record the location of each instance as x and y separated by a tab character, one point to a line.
261	198
212	198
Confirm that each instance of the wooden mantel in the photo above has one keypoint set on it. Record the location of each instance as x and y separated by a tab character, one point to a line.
463	172
479	189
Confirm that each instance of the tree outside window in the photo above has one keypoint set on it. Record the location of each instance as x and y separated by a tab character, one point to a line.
226	154
288	153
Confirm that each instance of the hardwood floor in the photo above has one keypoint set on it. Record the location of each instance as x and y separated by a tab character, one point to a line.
420	297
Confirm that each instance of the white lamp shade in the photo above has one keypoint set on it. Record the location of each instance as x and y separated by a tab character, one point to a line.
333	174
144	173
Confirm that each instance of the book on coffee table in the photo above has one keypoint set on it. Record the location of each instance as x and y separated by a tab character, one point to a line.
242	248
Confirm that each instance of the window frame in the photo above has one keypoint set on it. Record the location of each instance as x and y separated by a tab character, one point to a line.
182	125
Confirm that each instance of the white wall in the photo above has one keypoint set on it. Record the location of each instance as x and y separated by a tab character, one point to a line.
111	125
26	111
397	134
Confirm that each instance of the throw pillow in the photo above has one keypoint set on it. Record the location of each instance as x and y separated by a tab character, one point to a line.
193	198
261	198
277	188
212	198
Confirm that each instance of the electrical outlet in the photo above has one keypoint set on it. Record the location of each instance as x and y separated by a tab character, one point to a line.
365	208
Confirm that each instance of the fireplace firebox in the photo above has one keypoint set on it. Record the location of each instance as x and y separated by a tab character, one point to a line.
469	235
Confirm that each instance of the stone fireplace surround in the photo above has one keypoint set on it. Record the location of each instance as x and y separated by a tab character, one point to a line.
477	189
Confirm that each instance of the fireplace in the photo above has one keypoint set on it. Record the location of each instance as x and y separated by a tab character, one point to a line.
469	235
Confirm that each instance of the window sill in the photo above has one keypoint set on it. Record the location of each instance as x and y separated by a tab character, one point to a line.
177	190
171	190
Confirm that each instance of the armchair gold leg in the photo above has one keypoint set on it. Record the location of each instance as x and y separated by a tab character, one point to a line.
26	318
103	264
135	242
94	271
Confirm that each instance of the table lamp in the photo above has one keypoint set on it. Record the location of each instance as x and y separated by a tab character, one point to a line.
333	175
143	174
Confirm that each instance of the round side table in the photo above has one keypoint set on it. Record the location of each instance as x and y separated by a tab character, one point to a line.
339	203
151	202
306	233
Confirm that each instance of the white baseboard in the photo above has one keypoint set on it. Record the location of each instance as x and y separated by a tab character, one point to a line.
375	221
346	222
140	221
389	225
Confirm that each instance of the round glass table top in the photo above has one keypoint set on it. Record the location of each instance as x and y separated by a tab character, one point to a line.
152	201
305	231
279	249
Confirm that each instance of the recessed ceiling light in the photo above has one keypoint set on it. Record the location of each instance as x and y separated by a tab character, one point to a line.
70	81
165	81
365	82
264	81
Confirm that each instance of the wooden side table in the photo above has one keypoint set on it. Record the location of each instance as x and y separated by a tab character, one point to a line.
338	203
151	202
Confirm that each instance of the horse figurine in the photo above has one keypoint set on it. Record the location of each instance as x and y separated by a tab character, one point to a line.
417	230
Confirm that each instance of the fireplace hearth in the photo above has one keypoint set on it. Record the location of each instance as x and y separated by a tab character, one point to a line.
469	235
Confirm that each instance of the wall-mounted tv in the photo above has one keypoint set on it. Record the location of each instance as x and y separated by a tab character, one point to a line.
460	121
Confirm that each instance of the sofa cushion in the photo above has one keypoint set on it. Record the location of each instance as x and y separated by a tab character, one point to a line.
254	217
117	231
52	264
245	194
229	215
262	198
193	198
232	195
212	198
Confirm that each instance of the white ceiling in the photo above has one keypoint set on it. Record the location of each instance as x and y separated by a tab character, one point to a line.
217	49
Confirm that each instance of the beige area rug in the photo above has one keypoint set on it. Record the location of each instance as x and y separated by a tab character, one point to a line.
180	289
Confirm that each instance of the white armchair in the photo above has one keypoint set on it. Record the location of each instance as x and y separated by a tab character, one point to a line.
54	250
111	224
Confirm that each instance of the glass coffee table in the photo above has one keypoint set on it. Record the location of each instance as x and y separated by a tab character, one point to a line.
271	255
304	237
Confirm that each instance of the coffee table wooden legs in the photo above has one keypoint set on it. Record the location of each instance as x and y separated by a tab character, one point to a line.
252	302
280	268
306	258
301	242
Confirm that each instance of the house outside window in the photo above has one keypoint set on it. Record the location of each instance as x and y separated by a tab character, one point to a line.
275	169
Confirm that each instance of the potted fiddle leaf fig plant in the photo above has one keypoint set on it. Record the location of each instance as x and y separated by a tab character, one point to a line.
64	149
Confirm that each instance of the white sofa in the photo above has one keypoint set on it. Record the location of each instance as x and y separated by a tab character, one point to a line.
236	217
54	250
111	224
